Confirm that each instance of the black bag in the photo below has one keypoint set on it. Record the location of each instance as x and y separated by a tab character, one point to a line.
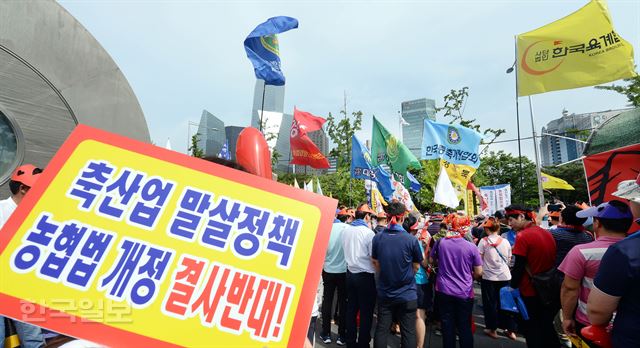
547	285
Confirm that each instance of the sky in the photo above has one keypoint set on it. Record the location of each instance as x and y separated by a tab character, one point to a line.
181	57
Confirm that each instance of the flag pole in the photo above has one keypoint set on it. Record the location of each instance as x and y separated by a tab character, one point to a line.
515	39
535	149
264	89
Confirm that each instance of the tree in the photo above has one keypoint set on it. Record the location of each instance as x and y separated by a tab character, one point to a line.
270	135
502	168
340	133
631	91
195	150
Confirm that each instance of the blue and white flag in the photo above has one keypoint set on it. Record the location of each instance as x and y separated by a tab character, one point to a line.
384	181
415	185
453	143
224	152
361	167
263	51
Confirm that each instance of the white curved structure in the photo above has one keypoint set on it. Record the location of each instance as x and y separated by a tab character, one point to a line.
54	75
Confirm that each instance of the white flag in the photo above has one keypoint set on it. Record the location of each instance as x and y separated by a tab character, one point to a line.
318	188
295	183
445	194
309	186
168	145
403	122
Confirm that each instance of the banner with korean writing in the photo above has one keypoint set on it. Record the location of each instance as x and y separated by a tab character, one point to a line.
497	197
125	243
452	143
459	174
581	49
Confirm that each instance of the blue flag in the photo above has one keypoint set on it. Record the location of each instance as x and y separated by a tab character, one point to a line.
454	143
415	185
384	182
263	51
224	152
361	167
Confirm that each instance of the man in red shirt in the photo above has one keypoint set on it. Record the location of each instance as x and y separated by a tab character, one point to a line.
535	252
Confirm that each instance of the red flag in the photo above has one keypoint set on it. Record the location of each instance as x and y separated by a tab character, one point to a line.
303	150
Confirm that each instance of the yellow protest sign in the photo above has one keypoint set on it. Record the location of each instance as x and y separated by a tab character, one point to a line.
124	243
581	49
459	174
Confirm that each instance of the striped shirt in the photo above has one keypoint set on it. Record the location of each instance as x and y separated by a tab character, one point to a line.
582	263
566	238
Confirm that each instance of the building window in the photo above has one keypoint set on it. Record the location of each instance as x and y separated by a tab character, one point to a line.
8	148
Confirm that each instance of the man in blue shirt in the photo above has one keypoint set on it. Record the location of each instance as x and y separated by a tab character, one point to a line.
396	256
334	277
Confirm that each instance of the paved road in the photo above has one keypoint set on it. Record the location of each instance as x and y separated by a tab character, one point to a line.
434	341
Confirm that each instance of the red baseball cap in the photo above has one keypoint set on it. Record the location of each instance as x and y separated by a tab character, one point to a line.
26	174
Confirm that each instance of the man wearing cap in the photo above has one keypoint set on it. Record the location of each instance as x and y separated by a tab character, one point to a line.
396	256
22	179
334	277
535	252
569	232
617	284
582	262
361	286
382	223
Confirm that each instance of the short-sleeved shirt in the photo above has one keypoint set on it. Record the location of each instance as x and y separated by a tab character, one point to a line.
396	250
495	252
356	242
582	263
619	275
334	261
566	238
421	276
456	259
538	247
7	207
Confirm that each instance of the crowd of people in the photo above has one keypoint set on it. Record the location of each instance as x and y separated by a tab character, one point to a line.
576	269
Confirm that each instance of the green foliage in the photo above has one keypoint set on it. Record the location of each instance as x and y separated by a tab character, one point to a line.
631	90
340	133
195	150
454	106
502	168
573	173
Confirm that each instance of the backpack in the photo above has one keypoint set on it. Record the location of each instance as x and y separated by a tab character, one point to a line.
547	285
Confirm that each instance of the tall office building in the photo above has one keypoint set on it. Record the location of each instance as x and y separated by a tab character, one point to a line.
211	134
273	102
414	112
555	150
283	146
232	133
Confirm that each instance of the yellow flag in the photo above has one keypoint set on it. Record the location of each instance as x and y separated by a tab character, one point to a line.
579	50
551	182
459	174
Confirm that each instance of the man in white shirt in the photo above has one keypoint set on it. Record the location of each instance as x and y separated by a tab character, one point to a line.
361	286
20	183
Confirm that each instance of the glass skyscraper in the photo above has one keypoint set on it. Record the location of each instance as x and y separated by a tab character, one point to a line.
414	112
211	134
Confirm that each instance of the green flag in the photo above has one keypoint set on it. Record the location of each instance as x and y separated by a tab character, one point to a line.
385	148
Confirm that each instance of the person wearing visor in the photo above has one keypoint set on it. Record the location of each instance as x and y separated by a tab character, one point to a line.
21	181
617	284
535	252
581	264
495	253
